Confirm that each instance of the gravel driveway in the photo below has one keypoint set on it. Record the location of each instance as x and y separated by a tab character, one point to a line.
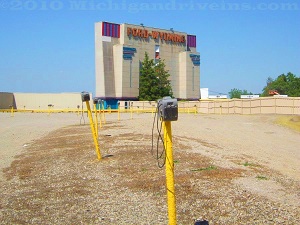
229	169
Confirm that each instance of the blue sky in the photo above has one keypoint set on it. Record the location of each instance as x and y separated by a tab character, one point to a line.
48	46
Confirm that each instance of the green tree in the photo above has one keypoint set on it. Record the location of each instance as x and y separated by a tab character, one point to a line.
147	75
288	84
154	80
236	93
164	84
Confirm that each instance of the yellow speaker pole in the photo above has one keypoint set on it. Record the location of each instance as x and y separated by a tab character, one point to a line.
131	110
78	110
12	111
170	172
96	119
118	110
100	116
104	119
93	129
49	109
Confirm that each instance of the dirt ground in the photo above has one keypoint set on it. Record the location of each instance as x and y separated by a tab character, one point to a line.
229	169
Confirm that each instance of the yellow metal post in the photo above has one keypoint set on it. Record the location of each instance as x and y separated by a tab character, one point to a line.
96	120
118	111
93	129
103	113
100	116
78	110
170	173
12	111
49	109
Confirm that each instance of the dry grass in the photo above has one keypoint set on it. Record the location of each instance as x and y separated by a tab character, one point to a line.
292	122
59	181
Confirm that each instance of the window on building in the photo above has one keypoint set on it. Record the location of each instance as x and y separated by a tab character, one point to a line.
157	56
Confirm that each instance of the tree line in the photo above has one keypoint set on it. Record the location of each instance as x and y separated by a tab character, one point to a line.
284	84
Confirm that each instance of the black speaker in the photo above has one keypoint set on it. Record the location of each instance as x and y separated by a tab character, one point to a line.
85	96
201	222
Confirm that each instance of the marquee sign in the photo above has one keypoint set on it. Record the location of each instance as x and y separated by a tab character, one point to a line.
144	33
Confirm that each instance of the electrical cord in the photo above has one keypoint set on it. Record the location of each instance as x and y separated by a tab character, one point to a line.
159	156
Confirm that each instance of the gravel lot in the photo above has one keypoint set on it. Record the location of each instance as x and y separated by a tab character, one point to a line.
229	169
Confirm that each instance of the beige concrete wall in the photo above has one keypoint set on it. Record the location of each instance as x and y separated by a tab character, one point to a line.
119	69
99	63
142	105
189	78
63	101
105	63
182	81
267	105
60	101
